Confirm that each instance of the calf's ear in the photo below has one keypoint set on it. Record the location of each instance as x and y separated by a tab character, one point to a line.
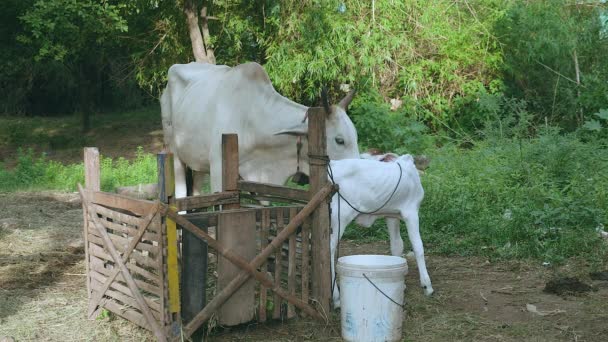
298	130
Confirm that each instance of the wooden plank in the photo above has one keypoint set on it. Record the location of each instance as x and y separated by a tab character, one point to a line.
98	279
210	200
264	227
150	277
118	229
194	277
278	267
306	259
272	190
151	288
291	270
128	299
158	331
237	230
116	216
248	268
92	181
230	165
100	252
92	178
123	242
251	268
207	219
136	206
321	277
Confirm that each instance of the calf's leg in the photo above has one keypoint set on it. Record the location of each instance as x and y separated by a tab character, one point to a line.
411	220
394	232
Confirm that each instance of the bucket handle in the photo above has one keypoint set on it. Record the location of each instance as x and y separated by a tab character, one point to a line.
402	306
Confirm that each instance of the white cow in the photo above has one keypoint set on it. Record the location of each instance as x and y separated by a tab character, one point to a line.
203	101
367	185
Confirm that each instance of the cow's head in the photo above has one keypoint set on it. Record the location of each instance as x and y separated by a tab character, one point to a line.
341	133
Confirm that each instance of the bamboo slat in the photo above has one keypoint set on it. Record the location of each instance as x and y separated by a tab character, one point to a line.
264	227
291	270
278	267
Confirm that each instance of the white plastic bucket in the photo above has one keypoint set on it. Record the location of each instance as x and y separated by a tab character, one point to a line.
367	314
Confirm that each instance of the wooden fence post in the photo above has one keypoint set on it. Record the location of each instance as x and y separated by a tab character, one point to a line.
317	149
166	187
92	181
237	232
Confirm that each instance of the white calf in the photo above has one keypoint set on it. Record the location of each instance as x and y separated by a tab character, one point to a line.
393	188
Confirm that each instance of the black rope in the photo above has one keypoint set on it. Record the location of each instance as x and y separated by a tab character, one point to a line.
402	306
382	206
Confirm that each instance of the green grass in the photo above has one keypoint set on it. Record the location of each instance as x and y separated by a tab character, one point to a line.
37	173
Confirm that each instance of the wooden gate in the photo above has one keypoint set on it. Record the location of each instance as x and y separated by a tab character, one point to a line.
133	248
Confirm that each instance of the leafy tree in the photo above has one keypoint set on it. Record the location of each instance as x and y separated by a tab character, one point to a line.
553	52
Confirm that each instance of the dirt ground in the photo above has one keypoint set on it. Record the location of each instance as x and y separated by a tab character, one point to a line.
43	296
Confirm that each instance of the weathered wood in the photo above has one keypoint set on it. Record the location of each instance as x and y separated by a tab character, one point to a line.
236	232
306	259
118	217
156	329
151	280
100	252
240	308
99	277
230	166
92	181
118	229
124	243
136	206
272	190
204	201
194	277
125	297
235	284
92	178
278	268
264	227
110	246
291	270
166	187
248	269
321	281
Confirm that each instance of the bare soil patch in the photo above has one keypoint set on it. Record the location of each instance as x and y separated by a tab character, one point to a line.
43	296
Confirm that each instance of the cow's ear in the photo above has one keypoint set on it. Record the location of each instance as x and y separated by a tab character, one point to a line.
299	130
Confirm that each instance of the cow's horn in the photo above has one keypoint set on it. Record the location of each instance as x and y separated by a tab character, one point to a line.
347	100
325	101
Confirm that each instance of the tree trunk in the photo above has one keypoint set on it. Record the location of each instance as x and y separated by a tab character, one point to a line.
198	44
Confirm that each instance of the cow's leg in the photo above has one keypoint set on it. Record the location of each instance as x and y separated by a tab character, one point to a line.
198	179
394	233
338	223
179	169
215	174
413	231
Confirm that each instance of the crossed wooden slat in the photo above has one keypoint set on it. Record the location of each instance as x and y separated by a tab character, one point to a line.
120	261
250	268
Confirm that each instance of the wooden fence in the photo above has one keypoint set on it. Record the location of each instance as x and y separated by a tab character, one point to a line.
156	268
